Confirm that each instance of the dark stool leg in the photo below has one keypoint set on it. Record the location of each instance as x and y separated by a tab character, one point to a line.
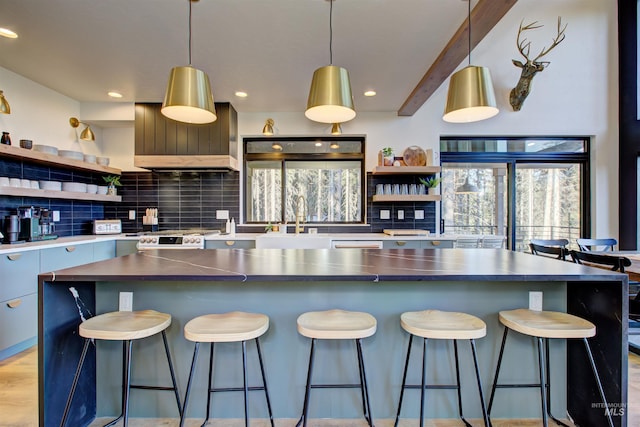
597	377
264	382
404	380
303	417
173	374
245	387
76	377
455	352
186	396
363	384
485	417
126	385
495	379
210	385
424	380
543	391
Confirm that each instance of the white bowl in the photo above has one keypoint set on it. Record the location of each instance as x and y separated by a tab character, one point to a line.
35	185
104	161
14	182
50	185
45	149
25	183
69	154
92	188
4	181
102	189
76	187
89	158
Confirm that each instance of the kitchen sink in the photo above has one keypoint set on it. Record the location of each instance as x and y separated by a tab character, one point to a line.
293	241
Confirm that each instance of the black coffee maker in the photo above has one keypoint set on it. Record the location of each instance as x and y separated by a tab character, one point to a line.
11	229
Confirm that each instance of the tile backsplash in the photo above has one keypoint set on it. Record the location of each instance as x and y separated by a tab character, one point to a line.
186	200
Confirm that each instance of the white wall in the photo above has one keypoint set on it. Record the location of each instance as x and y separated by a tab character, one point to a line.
575	95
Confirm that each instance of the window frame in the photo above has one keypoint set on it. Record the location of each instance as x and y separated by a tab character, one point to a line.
286	157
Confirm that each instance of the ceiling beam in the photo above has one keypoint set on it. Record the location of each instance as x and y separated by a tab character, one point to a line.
484	16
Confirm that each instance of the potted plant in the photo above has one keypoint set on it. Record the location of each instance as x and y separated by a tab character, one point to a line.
431	183
387	156
112	181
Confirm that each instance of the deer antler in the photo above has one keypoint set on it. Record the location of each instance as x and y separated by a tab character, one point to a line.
556	41
523	45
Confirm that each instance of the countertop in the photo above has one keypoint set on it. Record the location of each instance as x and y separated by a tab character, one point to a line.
242	265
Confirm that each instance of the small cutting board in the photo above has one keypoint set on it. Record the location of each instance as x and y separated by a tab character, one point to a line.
392	232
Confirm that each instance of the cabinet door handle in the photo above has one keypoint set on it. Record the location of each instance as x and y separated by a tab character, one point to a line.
70	248
230	242
401	243
15	303
14	257
435	242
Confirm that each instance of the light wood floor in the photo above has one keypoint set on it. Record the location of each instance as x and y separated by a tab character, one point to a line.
19	402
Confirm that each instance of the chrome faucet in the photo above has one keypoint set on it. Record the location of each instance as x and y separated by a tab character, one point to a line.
300	215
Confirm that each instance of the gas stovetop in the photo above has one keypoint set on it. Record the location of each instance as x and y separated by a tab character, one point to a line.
175	239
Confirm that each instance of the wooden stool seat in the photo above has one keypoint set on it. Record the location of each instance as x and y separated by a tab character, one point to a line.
443	325
125	325
226	327
547	324
336	325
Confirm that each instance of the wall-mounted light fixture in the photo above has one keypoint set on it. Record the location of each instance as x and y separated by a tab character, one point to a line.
188	98
268	127
5	108
87	134
330	98
336	129
470	97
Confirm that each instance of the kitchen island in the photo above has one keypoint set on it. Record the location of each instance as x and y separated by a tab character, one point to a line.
286	283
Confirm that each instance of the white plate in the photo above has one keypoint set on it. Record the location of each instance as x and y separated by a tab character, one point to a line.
45	149
104	161
76	187
92	188
102	189
50	185
89	158
71	154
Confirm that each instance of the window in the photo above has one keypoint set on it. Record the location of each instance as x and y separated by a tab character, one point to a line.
520	188
321	178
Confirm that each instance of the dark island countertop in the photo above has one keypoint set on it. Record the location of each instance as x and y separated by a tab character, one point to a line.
328	265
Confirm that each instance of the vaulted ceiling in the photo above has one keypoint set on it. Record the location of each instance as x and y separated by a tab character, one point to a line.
402	49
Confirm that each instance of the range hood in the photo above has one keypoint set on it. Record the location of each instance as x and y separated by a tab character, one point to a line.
162	144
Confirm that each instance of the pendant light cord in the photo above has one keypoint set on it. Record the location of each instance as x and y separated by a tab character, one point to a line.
331	32
469	29
190	1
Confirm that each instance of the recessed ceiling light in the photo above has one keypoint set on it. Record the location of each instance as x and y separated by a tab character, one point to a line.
114	94
241	94
370	93
5	32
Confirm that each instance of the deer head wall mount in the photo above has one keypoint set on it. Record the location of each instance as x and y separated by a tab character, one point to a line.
531	66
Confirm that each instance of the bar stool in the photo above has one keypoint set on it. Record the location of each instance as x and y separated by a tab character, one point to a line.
235	326
124	326
544	325
442	325
337	325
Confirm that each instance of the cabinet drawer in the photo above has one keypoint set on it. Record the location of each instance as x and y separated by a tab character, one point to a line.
18	320
104	250
19	272
437	244
402	244
230	244
52	259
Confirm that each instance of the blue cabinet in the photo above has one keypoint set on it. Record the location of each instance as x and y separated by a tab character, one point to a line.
104	250
70	255
230	244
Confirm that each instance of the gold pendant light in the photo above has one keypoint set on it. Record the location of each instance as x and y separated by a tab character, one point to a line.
5	108
336	129
470	97
189	98
330	98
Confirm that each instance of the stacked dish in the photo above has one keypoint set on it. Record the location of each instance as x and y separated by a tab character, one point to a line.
89	158
92	188
104	161
77	155
76	187
102	189
50	185
45	149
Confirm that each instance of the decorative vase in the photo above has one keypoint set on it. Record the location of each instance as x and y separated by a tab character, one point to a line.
388	160
5	139
432	191
111	190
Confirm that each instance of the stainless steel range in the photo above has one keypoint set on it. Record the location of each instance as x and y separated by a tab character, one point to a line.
175	239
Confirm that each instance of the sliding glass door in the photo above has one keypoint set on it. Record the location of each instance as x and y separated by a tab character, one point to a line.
522	189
